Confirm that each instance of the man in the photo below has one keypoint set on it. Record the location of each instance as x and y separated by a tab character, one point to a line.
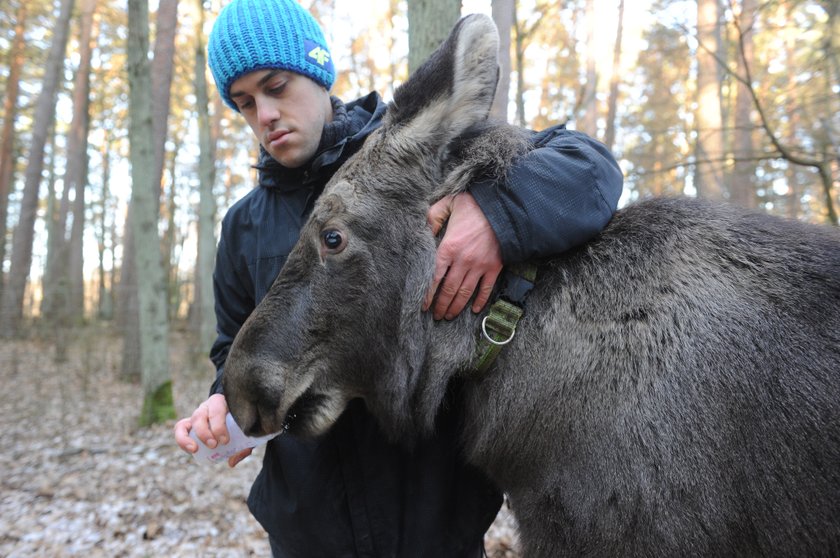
351	492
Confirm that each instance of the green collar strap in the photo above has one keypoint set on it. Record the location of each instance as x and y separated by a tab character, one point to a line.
499	325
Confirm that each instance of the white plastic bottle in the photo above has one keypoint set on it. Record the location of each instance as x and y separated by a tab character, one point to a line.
238	442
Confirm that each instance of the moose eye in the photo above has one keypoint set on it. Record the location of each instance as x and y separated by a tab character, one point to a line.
333	241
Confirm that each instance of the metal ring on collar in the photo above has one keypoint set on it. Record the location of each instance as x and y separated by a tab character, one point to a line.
487	336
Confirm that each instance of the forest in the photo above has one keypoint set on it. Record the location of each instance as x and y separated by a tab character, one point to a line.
118	160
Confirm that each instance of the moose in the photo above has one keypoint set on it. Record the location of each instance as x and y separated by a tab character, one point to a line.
673	388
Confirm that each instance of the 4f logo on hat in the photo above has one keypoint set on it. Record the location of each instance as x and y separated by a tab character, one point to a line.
317	54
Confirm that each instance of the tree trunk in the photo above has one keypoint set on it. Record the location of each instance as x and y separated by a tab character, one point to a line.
393	65
429	24
52	218
54	280
170	237
609	134
106	288
63	282
161	82
78	158
207	202
708	175
831	173
162	64
127	306
519	60
743	175
7	136
588	123
11	307
503	16
151	289
826	171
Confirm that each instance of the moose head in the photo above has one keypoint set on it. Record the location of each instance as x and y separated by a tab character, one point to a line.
343	319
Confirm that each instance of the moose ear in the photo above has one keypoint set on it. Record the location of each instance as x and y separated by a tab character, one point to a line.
453	89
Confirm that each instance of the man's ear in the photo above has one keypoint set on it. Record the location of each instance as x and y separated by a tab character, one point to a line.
452	90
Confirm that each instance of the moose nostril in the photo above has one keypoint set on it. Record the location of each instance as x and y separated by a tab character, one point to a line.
244	413
255	428
258	423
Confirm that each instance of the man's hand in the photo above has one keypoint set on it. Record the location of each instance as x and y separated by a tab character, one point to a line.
469	257
208	421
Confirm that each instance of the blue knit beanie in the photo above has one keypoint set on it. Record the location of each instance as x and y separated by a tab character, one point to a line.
254	35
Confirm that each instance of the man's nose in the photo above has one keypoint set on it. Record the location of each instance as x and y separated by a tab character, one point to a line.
266	112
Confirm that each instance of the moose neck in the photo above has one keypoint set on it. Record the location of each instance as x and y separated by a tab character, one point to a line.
448	348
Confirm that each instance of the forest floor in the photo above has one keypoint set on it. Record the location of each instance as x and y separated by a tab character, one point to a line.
79	478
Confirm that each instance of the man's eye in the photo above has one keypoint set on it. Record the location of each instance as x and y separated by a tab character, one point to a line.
277	90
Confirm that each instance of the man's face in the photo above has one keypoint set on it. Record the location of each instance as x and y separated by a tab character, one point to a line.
286	111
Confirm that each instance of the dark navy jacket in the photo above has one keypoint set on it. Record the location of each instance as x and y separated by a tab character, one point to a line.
350	493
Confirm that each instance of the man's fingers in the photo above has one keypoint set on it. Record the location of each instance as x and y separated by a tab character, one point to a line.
439	213
441	268
463	294
448	291
216	408
217	404
485	289
182	436
201	425
208	421
218	428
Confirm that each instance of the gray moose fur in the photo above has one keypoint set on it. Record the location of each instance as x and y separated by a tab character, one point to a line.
673	389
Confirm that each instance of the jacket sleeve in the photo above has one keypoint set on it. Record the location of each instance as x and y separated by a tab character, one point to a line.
556	197
233	291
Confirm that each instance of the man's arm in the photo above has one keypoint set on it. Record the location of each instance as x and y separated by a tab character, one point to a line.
556	197
232	308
